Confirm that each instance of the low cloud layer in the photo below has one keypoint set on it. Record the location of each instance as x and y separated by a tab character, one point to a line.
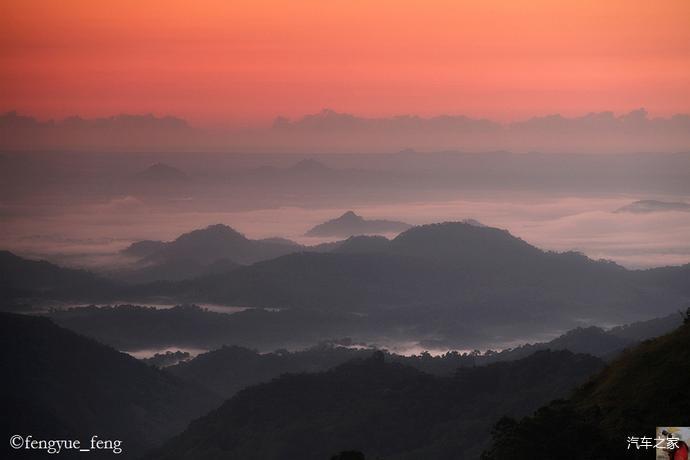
586	224
329	132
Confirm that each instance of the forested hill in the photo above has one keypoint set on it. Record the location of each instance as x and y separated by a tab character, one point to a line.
381	408
647	386
446	277
60	385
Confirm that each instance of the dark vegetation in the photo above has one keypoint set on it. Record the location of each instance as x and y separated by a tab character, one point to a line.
169	358
231	368
60	385
378	408
645	387
381	405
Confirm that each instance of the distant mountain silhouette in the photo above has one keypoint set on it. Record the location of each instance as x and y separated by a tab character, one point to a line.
439	249
362	244
172	270
675	278
350	224
466	243
648	206
643	388
134	328
382	409
161	172
451	279
130	327
301	177
283	241
141	249
440	282
60	385
220	242
643	330
24	279
309	165
590	340
301	169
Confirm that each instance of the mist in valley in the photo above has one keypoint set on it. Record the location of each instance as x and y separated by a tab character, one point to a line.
345	230
88	211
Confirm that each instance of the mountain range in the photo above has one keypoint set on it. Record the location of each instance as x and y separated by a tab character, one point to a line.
443	280
383	405
208	245
382	409
478	267
438	283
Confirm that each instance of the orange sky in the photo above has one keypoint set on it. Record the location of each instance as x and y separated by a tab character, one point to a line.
223	62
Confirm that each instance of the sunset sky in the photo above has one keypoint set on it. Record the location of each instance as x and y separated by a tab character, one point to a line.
230	63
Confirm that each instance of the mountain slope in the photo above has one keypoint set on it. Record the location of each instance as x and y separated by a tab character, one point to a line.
458	270
57	383
220	242
590	340
645	387
23	278
230	369
362	244
382	409
128	327
144	248
171	270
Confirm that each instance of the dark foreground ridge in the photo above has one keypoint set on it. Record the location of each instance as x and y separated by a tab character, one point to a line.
379	408
60	385
646	387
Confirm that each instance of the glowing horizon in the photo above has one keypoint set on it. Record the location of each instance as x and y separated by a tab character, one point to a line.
228	63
